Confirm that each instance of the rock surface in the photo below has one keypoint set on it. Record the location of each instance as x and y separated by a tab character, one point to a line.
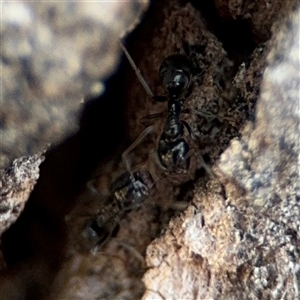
259	15
239	236
53	56
16	184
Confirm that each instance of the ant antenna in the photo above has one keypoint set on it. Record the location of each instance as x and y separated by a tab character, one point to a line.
138	140
137	71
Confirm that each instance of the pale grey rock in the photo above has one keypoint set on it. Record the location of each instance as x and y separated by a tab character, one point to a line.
54	55
16	184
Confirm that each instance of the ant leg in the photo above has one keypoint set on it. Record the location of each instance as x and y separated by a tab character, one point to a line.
156	293
205	166
154	116
200	158
189	154
189	129
141	78
98	236
137	71
91	187
98	186
144	120
132	250
179	205
206	114
153	157
139	139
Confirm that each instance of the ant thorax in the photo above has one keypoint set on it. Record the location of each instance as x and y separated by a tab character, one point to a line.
173	128
131	189
172	148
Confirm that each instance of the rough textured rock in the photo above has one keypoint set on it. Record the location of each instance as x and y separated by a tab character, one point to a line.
241	225
53	56
16	184
240	237
259	15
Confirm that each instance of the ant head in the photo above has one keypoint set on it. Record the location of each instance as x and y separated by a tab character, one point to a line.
92	233
96	233
175	72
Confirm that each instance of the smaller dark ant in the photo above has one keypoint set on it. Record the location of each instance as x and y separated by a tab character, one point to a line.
127	192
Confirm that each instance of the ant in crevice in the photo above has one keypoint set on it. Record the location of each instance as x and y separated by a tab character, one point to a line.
173	151
127	192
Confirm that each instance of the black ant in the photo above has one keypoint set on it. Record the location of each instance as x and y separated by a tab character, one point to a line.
173	151
127	192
